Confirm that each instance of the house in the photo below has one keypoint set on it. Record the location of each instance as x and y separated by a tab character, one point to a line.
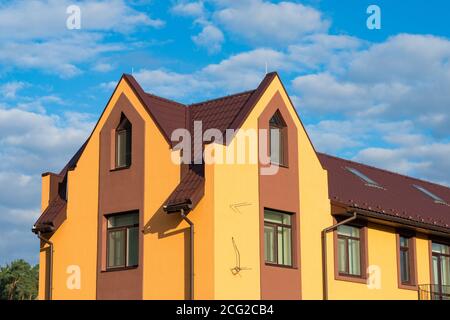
168	201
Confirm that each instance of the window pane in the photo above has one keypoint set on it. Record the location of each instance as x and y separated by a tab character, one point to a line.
123	220
348	231
121	148
404	242
287	219
445	270
284	246
440	248
404	265
277	217
272	216
354	257
133	246
269	244
275	145
435	270
116	248
342	256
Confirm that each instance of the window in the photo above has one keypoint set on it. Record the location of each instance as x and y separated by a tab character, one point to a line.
123	240
123	143
349	251
406	257
430	194
277	237
440	271
369	182
278	140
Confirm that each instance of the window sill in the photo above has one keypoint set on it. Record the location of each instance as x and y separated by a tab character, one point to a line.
280	266
120	168
350	278
279	165
405	286
120	269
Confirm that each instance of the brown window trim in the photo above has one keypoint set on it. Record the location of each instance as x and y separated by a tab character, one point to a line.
364	256
108	230
437	240
271	264
120	269
412	285
125	126
120	168
284	142
276	225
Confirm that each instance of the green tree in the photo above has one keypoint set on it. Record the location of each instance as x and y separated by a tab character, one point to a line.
19	281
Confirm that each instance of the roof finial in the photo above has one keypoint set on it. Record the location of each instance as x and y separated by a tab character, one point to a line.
266	67
132	71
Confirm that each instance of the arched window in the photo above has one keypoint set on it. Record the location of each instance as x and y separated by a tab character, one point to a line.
123	143
278	140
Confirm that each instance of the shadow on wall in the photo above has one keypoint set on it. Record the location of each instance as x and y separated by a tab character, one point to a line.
163	225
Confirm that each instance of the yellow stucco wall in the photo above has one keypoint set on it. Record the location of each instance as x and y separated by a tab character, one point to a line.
237	184
382	248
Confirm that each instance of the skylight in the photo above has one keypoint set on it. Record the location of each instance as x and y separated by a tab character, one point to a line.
363	177
430	194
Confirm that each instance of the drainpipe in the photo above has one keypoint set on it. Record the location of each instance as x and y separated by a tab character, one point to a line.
324	253
191	253
50	280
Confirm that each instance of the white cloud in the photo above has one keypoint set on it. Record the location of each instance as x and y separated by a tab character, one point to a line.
30	143
103	67
210	38
426	161
171	84
43	19
108	86
34	34
265	23
405	77
237	73
10	89
189	9
28	138
60	56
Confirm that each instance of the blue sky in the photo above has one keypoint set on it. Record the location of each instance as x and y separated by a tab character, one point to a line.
377	96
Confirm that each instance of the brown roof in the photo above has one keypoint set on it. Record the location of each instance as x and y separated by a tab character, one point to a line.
53	216
397	196
190	189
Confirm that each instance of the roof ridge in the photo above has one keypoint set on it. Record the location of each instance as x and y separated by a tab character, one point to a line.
384	170
165	99
221	98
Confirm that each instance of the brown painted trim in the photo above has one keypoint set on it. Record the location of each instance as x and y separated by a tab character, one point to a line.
280	265
119	269
412	260
120	191
404	222
364	256
281	192
120	168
